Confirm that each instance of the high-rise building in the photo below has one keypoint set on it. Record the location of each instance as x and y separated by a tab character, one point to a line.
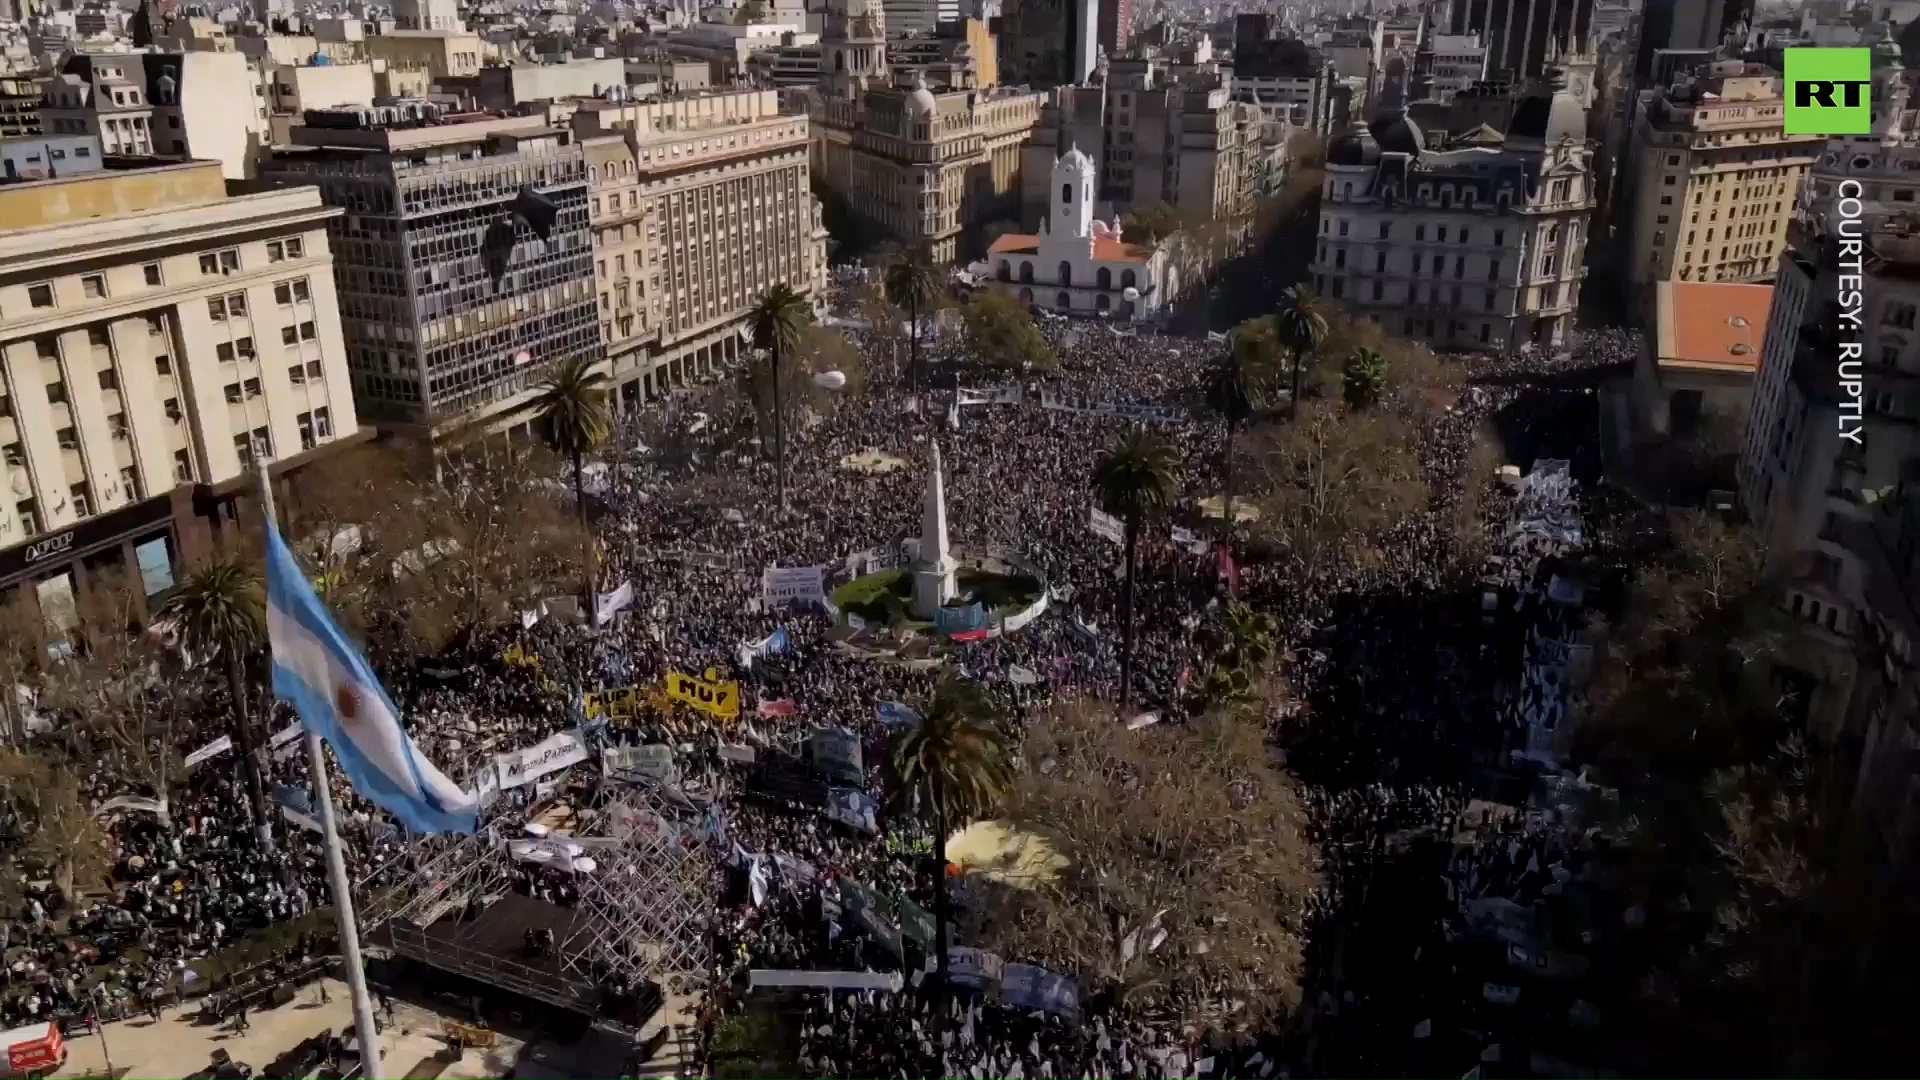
1049	42
1474	245
924	168
1152	140
1714	177
464	264
1525	37
428	15
1283	74
915	18
699	205
1116	26
154	335
1685	25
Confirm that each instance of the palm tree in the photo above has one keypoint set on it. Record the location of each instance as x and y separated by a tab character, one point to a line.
1134	480
572	409
1303	326
218	614
1363	378
778	320
1241	384
950	769
913	282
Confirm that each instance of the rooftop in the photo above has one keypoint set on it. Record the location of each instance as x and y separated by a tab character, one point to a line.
1711	326
1105	248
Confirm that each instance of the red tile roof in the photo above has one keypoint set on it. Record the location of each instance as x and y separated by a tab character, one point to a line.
1712	325
1105	249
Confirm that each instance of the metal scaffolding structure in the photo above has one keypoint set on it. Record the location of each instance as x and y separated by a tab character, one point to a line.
649	895
643	898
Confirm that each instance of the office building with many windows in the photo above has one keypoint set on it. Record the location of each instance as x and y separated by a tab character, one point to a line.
155	337
453	304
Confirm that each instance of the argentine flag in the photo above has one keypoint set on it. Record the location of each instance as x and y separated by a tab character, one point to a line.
326	680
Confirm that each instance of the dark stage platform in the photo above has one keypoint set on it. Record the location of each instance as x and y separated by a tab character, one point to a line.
491	947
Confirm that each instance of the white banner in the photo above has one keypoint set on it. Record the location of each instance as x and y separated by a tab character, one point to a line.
737	753
991	395
824	980
1105	524
282	738
134	802
624	821
486	784
551	755
793	585
1074	403
307	822
607	605
654	761
212	750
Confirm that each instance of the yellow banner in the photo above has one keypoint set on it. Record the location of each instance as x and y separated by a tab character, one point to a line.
709	694
520	657
622	701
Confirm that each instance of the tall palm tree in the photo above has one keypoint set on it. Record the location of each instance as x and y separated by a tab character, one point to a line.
913	282
1303	326
1363	377
1134	479
778	320
950	769
572	410
1241	384
218	614
1241	647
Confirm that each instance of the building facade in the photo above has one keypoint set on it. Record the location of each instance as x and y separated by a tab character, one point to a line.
1715	177
698	207
925	168
184	105
1188	145
452	302
155	335
1079	265
1477	244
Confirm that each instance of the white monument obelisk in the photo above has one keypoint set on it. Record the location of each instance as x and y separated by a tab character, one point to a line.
933	565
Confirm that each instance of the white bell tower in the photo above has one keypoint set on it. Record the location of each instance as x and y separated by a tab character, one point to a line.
1072	196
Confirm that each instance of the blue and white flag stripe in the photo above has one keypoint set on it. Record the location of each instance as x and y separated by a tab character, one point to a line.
326	680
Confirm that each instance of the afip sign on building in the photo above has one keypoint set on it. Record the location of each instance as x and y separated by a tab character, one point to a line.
1829	91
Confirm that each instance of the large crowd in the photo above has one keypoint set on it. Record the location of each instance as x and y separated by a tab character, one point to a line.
1406	712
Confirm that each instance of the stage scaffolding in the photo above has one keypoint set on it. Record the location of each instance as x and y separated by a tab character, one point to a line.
642	907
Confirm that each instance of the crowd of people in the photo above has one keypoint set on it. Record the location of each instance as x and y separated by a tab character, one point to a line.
1403	712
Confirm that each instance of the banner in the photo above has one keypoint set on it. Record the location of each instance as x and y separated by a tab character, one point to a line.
624	822
794	585
212	750
975	969
135	803
1189	543
780	776
1024	986
620	701
282	738
824	980
869	912
782	707
917	922
709	695
486	784
897	714
736	753
305	821
774	644
1106	525
854	809
516	655
653	761
959	620
1059	401
561	751
794	871
607	605
836	754
991	395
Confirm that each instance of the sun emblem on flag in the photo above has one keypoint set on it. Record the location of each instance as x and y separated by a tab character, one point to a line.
347	703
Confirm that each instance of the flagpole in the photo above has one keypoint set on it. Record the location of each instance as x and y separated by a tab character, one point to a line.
366	1033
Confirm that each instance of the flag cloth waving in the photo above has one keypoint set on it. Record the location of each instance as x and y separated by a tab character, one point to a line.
326	680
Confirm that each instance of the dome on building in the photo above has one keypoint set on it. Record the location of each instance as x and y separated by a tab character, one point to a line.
1547	112
1076	161
1354	146
1396	133
920	100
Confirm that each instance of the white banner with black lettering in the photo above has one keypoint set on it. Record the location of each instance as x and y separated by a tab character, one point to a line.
548	756
793	585
212	750
1105	524
655	761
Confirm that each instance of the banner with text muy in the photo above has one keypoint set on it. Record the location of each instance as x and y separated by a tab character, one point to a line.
709	694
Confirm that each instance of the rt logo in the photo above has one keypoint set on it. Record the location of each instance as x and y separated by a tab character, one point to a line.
1829	91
